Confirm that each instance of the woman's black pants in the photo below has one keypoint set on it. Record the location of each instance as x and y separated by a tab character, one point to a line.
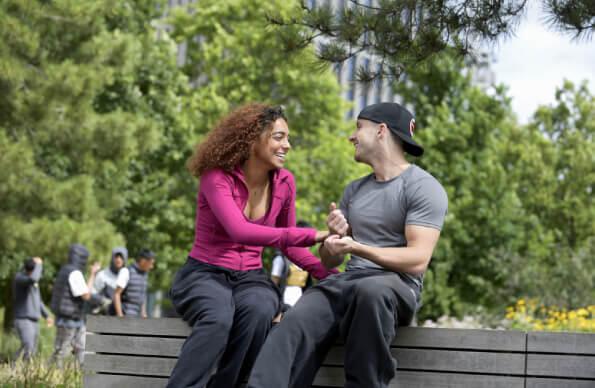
230	313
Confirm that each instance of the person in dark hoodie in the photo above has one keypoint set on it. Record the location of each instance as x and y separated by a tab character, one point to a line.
131	286
68	298
28	306
105	281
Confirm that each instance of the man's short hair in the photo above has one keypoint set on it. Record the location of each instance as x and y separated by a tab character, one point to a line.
145	254
29	264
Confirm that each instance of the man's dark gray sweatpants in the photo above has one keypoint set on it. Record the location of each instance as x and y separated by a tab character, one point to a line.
363	307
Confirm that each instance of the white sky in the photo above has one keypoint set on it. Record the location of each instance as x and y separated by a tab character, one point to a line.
536	59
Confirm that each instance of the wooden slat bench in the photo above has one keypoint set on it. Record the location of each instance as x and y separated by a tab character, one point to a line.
553	358
126	352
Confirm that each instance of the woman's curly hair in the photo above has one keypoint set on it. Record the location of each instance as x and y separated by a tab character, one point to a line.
228	144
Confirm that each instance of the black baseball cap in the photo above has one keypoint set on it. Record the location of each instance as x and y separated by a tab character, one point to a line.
398	119
146	253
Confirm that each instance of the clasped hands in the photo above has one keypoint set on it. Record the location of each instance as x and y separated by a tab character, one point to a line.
338	242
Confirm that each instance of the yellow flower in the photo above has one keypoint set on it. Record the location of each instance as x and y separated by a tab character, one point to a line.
528	314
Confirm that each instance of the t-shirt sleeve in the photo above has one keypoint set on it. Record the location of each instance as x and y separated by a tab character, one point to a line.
277	268
427	203
77	283
123	277
345	199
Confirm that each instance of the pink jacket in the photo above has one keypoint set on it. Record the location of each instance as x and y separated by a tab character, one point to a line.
225	237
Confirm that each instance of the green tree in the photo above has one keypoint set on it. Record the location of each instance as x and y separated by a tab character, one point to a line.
520	206
83	86
402	34
552	159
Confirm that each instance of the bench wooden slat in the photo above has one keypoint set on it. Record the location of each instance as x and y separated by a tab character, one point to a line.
404	379
448	360
420	360
553	365
121	381
416	359
143	366
334	377
147	346
570	343
472	339
534	382
454	361
454	380
162	327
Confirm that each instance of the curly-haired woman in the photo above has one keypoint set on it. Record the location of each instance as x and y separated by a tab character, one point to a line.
246	201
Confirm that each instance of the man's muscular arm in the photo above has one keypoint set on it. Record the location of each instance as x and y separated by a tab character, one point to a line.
412	259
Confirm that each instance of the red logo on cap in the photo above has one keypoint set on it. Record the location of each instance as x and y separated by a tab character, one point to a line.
411	127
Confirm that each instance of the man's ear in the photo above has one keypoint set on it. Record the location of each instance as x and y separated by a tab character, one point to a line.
383	130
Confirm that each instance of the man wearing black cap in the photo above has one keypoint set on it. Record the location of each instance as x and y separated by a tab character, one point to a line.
389	222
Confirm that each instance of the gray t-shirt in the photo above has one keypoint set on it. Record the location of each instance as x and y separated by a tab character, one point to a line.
379	211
